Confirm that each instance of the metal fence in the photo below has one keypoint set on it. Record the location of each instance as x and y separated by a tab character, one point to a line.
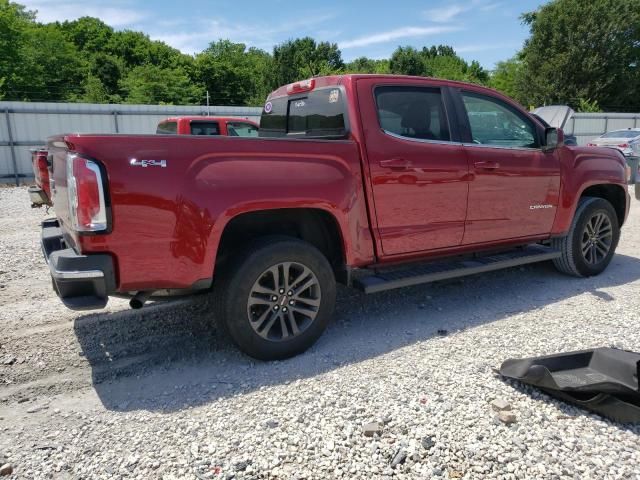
25	125
587	126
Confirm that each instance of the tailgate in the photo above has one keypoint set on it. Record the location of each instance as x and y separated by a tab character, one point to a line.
58	150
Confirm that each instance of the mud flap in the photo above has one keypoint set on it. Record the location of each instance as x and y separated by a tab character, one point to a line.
603	380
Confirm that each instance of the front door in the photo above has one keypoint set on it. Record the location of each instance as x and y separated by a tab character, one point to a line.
418	174
515	188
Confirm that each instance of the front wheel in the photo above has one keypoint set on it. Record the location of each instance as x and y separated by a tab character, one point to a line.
592	240
277	298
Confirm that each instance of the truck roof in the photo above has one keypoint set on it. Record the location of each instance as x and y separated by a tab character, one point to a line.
330	80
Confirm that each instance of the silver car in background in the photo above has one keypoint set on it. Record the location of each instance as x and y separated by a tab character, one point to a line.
627	141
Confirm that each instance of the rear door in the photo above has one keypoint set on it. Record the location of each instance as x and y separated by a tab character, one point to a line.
515	187
418	168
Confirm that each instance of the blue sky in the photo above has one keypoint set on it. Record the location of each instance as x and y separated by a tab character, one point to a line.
483	30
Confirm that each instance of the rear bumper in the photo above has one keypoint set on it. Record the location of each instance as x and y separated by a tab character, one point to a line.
83	282
38	197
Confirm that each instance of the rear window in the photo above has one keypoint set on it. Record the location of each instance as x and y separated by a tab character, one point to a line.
317	114
205	128
167	128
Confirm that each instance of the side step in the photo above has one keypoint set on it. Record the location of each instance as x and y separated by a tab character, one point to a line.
445	270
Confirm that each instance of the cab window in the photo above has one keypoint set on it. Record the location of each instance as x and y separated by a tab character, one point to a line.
241	129
412	112
205	128
495	123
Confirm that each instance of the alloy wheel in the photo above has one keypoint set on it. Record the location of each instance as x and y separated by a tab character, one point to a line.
597	238
284	301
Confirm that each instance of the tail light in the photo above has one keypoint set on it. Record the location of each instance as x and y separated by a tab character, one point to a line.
86	195
41	168
624	145
299	87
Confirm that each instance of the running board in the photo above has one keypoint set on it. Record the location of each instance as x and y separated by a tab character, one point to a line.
445	270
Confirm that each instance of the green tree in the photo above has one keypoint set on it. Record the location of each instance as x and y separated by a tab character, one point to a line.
232	74
152	84
51	63
367	65
443	62
14	22
303	58
590	106
583	49
507	76
93	91
88	34
408	61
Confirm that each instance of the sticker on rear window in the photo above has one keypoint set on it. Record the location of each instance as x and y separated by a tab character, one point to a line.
334	96
268	107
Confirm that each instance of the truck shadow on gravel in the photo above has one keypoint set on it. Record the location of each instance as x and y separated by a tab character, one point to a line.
168	356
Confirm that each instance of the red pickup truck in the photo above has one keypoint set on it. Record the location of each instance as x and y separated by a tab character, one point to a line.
375	181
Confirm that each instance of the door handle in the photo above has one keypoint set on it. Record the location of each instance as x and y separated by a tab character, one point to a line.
395	163
487	165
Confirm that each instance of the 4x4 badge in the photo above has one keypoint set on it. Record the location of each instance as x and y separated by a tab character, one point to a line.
148	163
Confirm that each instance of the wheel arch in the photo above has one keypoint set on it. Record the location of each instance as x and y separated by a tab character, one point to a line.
613	193
317	226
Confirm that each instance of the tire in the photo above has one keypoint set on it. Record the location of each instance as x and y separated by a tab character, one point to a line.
246	287
573	261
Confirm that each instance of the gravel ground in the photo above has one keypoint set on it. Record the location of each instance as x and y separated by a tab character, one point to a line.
154	394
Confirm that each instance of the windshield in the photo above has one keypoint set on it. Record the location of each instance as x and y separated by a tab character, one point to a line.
317	114
622	134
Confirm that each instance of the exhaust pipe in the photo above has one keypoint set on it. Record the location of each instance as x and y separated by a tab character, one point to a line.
139	299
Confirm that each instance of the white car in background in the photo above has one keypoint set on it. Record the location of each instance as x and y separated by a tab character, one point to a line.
627	141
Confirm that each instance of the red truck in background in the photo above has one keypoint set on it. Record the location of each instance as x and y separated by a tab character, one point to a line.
40	193
374	181
197	125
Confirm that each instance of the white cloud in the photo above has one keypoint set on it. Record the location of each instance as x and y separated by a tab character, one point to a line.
259	35
446	14
51	11
390	35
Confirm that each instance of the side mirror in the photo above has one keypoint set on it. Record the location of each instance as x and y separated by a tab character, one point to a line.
553	137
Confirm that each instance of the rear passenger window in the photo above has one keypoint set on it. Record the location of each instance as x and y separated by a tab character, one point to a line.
413	112
241	129
205	128
167	128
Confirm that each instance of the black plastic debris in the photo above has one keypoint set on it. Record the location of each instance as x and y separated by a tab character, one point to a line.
603	380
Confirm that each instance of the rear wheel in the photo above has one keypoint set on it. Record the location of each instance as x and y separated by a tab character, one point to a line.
592	240
277	298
